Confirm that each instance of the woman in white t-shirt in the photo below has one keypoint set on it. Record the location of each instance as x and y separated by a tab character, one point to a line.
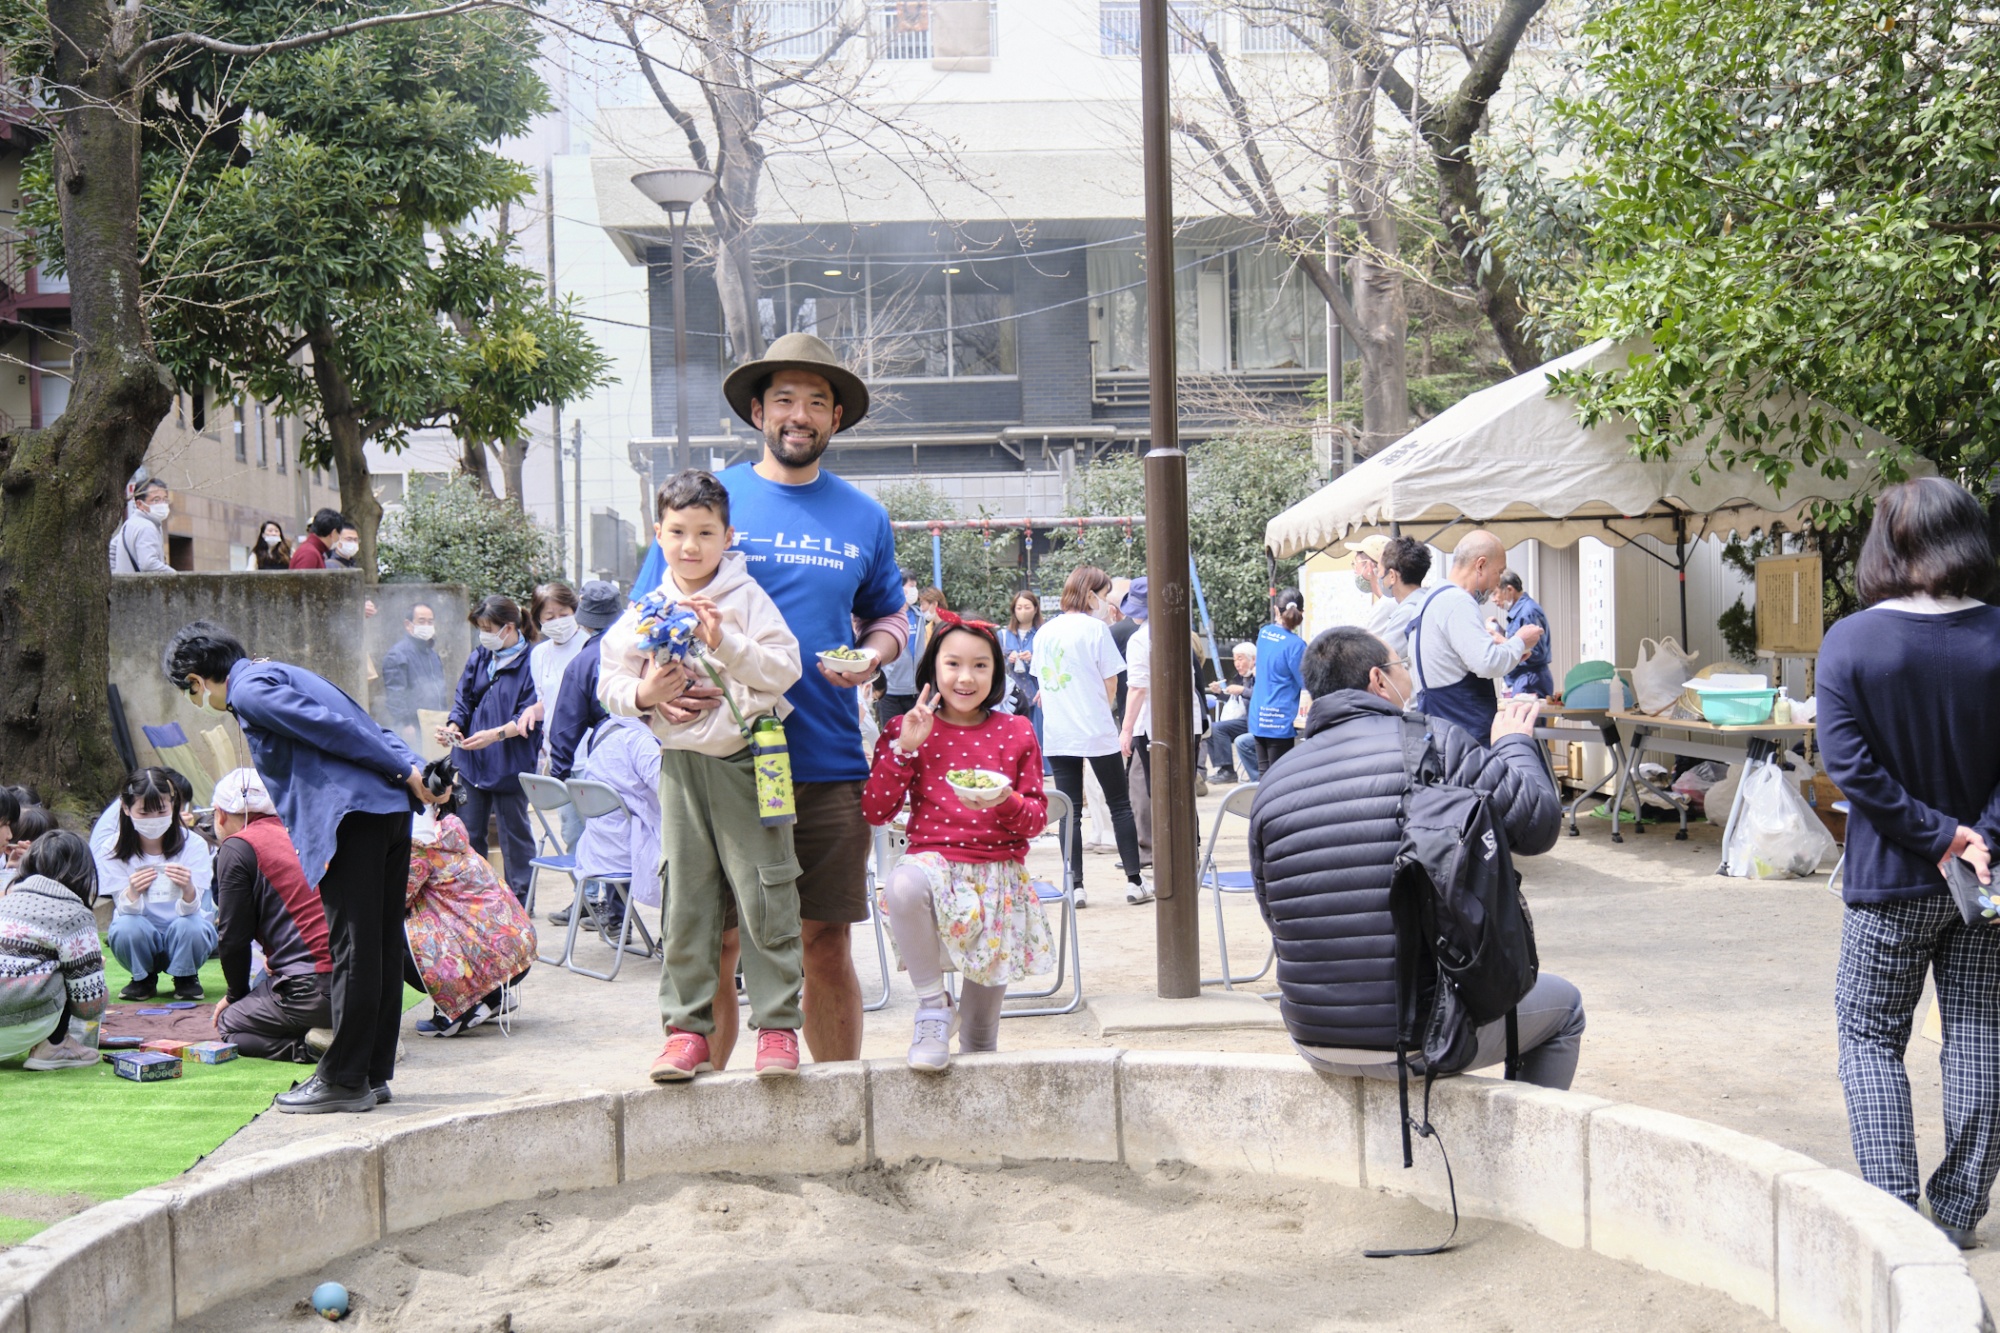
1078	666
157	875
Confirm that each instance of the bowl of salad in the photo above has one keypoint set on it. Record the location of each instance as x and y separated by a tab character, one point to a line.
848	658
977	781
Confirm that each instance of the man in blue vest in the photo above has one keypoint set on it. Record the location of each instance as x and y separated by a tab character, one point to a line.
1454	658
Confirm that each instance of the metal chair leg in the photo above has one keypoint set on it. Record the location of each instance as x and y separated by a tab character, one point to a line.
881	957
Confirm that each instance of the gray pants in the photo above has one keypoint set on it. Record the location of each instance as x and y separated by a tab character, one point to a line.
1551	1023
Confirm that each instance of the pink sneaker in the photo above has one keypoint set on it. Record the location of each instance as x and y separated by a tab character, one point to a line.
685	1055
777	1053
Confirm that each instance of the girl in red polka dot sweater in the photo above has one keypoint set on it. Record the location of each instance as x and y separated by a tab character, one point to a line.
961	895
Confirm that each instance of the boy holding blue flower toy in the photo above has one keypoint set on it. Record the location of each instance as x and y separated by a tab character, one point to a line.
709	621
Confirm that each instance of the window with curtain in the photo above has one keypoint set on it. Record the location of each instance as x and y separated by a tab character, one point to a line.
1118	306
1280	315
1249	309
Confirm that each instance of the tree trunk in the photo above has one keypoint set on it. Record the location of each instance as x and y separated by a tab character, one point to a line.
513	463
1379	302
1485	270
350	461
61	489
472	462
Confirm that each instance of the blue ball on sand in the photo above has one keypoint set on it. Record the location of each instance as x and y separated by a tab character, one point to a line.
330	1299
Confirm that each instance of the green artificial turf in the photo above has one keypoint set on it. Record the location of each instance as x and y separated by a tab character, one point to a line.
87	1131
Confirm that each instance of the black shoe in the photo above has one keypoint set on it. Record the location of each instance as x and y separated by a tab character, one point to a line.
559	918
382	1094
316	1096
140	988
188	988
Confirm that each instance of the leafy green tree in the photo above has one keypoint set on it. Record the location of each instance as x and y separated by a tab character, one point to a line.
1791	197
1236	484
982	569
456	534
326	200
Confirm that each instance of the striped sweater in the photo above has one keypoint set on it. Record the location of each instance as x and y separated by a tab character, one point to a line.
48	940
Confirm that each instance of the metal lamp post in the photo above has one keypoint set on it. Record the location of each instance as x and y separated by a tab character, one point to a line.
678	189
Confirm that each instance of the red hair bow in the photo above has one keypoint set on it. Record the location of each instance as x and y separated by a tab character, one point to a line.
954	619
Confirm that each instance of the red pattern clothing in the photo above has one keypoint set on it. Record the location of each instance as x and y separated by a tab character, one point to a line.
939	822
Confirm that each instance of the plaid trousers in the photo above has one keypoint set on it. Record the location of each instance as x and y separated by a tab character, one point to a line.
1885	949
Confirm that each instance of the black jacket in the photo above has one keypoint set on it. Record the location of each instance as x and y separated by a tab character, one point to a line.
1323	836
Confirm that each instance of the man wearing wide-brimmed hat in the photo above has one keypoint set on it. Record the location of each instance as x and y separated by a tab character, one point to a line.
824	552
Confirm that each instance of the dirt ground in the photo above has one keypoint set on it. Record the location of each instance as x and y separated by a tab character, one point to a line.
1707	996
935	1246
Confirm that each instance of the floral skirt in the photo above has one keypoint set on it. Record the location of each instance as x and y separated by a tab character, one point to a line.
989	920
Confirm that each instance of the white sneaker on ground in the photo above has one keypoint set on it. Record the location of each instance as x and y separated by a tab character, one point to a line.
69	1055
1082	899
930	1046
1140	892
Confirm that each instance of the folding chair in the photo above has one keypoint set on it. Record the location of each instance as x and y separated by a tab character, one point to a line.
887	851
1220	882
595	800
171	744
545	795
1069	955
1839	808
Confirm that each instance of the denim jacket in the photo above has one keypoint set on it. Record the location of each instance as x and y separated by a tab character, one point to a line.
321	756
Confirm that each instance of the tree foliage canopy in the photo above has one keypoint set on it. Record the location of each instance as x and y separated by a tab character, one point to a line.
454	534
981	570
1784	196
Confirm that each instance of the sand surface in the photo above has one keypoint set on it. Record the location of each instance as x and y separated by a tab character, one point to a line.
929	1245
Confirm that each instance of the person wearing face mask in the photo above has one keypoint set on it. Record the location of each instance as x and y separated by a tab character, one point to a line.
318	543
272	550
493	748
1078	665
557	640
1324	832
345	549
1454	659
157	876
413	673
899	678
344	785
1533	675
140	545
1403	566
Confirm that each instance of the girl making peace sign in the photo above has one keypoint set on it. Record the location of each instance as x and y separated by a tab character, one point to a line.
961	896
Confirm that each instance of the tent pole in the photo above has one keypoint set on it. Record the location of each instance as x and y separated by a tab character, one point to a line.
1681	571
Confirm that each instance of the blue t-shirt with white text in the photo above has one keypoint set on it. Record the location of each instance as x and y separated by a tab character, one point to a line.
1274	699
825	553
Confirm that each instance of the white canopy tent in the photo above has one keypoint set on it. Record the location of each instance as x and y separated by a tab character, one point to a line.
1519	463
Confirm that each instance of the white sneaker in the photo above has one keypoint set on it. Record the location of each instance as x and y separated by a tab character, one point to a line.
69	1055
1082	898
930	1047
1142	892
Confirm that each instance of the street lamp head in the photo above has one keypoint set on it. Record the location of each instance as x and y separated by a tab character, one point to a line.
675	189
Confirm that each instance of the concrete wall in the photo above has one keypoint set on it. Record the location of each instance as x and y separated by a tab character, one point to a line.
310	619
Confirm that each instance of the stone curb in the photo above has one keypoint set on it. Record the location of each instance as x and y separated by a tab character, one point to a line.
1816	1248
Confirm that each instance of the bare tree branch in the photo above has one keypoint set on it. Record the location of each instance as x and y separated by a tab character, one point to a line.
202	41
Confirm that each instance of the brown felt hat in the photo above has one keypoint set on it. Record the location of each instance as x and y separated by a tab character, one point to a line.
798	351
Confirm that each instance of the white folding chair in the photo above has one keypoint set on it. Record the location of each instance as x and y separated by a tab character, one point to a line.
1839	808
546	795
888	849
1220	882
1069	954
595	800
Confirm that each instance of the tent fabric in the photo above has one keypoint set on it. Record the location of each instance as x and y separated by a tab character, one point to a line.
1518	462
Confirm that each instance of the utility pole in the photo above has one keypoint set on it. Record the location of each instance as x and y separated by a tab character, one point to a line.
555	433
576	479
1176	933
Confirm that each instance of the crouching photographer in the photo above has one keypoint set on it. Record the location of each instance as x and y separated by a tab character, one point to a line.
1325	832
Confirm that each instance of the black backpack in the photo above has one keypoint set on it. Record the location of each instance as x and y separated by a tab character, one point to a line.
1465	943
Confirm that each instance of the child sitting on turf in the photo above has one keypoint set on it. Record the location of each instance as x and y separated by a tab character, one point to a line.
158	876
961	894
51	970
710	828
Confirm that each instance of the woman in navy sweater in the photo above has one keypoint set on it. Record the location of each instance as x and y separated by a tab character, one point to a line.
1909	722
494	749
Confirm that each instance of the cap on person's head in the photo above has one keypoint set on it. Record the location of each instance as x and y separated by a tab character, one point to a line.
1134	605
241	792
598	603
1372	546
797	351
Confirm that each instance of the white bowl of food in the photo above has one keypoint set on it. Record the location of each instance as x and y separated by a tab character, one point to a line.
848	659
977	782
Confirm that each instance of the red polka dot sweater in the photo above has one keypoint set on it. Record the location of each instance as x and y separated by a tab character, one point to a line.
939	822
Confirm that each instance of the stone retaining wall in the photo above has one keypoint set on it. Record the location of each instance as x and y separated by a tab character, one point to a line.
1813	1247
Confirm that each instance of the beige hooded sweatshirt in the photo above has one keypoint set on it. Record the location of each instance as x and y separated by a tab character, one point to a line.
758	660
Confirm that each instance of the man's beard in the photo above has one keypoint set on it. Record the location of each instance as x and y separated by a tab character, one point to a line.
794	455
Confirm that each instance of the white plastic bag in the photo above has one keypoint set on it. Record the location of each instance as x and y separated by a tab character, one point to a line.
1776	835
1663	668
1695	784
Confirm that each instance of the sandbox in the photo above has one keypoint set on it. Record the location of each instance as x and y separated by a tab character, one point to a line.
1129	1141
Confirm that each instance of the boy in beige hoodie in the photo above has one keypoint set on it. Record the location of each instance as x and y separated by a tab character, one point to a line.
711	835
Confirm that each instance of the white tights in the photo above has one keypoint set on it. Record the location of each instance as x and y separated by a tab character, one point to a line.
913	922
